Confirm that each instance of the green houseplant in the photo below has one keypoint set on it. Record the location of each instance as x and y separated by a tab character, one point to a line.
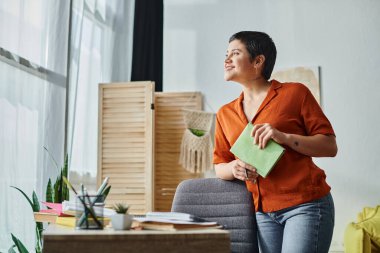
34	203
54	193
121	220
58	192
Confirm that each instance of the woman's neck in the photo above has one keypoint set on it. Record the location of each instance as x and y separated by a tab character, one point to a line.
256	88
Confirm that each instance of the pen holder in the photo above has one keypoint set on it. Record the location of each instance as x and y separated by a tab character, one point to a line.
89	214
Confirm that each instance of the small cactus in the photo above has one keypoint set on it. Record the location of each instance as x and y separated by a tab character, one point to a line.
121	208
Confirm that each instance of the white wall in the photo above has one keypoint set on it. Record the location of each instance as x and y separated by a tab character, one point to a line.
340	36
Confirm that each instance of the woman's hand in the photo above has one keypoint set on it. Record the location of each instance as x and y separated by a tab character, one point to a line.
262	133
244	171
318	145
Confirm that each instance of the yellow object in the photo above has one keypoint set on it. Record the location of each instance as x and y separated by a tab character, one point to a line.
71	221
66	221
364	235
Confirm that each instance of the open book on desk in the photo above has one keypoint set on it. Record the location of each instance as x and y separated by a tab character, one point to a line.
262	159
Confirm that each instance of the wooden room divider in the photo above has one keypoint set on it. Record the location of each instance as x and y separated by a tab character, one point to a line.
125	149
140	134
169	129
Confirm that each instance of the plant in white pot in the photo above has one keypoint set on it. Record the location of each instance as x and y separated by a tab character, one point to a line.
121	220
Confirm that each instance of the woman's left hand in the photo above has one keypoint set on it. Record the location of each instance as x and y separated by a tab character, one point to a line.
262	133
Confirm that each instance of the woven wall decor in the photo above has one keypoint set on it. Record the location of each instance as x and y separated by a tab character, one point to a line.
196	147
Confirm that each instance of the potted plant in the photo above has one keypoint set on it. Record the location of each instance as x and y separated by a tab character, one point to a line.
54	193
121	220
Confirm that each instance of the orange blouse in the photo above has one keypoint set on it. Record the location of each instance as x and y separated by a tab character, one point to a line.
295	179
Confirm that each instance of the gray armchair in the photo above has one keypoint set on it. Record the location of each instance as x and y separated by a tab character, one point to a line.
227	202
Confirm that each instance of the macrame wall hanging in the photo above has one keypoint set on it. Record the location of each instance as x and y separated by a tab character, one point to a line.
196	148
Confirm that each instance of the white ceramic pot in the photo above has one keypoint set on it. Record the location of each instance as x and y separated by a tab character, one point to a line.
121	221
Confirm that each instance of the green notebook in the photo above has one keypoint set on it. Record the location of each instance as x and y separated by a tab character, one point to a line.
262	159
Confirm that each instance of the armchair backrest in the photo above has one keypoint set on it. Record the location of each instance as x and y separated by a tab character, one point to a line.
227	202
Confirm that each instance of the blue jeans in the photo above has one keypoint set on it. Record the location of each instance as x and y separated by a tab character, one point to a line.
306	228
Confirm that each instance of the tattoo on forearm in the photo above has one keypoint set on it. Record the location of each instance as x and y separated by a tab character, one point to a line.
296	143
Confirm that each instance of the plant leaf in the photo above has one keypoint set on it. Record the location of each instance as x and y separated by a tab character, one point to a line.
105	192
56	190
65	168
69	185
52	158
36	204
61	187
197	132
65	172
39	229
23	193
121	208
21	248
49	192
67	196
65	190
11	250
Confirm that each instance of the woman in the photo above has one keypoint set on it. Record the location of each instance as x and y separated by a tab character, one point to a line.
294	207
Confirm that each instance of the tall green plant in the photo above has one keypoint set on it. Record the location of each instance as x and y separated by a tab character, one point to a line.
59	192
54	193
35	205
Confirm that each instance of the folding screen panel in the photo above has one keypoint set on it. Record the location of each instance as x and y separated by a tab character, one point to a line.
125	152
169	129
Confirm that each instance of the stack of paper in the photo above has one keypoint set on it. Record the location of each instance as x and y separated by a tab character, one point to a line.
64	213
173	221
50	215
174	216
45	217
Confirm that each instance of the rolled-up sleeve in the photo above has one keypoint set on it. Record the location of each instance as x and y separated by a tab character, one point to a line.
314	119
222	147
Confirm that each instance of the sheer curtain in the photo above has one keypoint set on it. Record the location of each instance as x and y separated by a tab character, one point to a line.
101	46
33	41
34	54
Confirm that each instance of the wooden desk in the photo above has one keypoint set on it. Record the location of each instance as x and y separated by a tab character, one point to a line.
59	239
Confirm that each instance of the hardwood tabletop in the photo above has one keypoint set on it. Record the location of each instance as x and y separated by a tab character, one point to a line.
66	239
